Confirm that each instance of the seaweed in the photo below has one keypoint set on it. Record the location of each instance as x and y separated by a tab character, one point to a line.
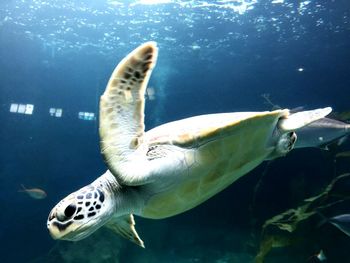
294	224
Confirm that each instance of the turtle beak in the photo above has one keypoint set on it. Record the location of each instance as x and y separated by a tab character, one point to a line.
56	228
68	230
60	218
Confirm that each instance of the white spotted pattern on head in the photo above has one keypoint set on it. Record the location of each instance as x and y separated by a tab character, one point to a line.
79	214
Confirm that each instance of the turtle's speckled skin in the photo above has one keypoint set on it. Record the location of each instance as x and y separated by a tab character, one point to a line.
171	168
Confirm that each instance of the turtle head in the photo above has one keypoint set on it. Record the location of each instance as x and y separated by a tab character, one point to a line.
81	213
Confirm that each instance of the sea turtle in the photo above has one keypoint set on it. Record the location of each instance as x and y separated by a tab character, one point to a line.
171	168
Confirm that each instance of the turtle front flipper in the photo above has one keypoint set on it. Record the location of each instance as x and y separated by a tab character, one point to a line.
121	124
125	226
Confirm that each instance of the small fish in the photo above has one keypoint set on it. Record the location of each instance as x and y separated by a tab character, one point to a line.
322	133
342	222
35	193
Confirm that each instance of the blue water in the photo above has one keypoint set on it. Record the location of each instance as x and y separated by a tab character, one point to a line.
214	56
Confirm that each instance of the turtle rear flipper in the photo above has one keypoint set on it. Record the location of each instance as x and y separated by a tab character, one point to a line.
285	135
302	118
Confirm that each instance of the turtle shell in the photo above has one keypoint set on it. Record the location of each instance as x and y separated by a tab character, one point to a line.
217	150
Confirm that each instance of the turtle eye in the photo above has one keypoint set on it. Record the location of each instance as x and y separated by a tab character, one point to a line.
70	210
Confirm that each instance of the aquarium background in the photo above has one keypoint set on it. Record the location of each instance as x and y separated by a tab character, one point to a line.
214	56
